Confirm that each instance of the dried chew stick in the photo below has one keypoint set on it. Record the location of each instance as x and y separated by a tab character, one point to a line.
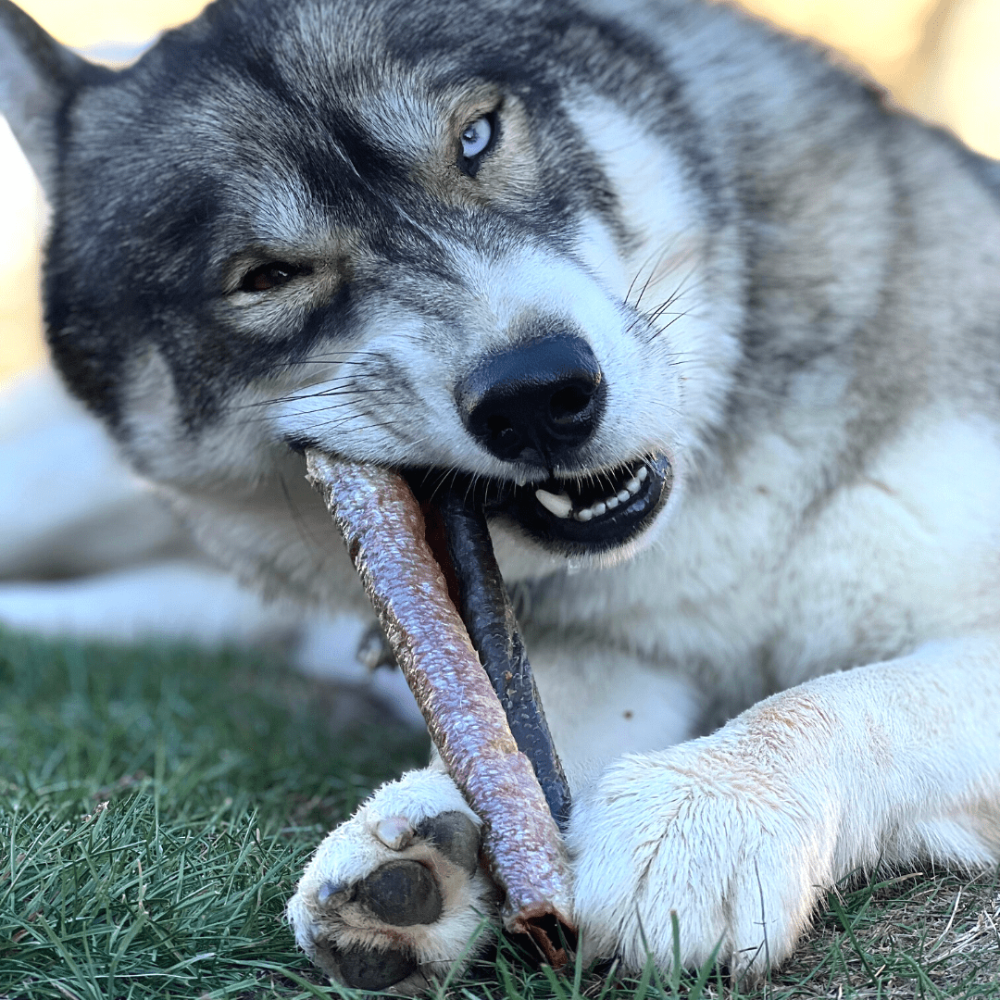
385	534
486	610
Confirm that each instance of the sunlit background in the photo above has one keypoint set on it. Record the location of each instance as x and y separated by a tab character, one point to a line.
938	57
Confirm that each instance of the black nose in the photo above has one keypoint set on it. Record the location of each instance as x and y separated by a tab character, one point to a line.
536	402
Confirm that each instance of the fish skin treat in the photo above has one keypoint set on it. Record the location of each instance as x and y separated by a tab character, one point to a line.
384	529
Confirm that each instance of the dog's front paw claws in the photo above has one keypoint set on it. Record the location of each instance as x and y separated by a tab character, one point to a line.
391	899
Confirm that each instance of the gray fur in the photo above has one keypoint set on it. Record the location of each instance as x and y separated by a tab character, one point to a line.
784	282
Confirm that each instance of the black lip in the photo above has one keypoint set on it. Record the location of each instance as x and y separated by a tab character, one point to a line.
515	505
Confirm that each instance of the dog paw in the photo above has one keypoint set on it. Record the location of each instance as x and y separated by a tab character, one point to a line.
395	896
703	837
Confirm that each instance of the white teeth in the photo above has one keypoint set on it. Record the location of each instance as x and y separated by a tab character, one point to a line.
558	504
562	506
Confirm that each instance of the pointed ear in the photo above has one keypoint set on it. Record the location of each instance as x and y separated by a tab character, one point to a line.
37	78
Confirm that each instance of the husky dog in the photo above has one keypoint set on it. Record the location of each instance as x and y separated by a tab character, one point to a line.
718	333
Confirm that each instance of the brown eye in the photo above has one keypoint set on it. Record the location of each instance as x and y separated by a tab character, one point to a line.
271	275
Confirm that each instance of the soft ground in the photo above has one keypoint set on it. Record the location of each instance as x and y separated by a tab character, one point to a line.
157	806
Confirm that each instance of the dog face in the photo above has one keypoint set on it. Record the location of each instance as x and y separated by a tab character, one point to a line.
402	236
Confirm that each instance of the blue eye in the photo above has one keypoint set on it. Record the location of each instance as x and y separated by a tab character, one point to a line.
476	137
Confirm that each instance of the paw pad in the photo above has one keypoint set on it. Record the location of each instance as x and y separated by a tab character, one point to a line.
406	920
364	969
455	836
401	893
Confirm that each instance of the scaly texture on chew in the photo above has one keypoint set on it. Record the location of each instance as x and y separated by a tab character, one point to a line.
384	530
489	618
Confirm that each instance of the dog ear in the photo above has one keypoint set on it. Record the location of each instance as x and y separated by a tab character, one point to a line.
38	78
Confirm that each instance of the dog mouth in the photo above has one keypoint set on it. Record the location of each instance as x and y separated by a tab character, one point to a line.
574	513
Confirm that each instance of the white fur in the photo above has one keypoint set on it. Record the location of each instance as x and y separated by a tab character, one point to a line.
361	845
740	832
824	575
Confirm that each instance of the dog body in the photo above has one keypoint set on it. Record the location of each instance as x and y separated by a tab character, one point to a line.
753	524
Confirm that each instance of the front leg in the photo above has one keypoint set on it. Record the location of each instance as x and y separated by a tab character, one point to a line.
394	896
739	833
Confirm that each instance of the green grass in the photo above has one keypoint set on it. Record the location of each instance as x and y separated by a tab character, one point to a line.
156	809
157	806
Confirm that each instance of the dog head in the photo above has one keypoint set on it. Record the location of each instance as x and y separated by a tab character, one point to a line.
460	239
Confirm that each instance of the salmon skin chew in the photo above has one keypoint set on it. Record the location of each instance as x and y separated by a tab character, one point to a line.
385	532
485	608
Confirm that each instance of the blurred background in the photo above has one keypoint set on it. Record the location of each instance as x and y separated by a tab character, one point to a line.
940	58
